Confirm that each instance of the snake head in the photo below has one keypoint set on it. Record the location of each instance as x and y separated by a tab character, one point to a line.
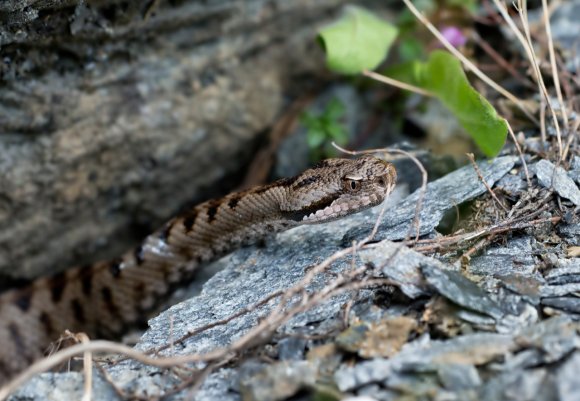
338	187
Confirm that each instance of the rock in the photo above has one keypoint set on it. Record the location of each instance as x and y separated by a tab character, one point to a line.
419	356
277	381
502	260
115	116
560	181
458	289
567	379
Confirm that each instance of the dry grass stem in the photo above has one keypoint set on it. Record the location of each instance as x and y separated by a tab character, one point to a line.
528	47
396	83
437	244
543	136
490	82
553	64
523	12
478	171
572	135
519	149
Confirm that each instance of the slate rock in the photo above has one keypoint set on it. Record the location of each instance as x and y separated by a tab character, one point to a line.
402	265
460	290
276	381
567	379
456	377
566	303
425	354
574	171
559	180
514	257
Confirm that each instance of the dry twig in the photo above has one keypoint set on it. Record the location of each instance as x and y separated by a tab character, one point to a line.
396	83
519	150
478	171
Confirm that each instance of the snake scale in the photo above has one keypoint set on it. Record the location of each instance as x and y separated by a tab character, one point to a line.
105	298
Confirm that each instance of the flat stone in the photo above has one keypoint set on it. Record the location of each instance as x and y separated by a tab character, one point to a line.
571	232
457	377
402	265
514	257
460	290
567	379
565	303
560	181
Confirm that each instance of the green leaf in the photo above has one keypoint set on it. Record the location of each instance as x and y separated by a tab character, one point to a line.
410	72
443	76
358	40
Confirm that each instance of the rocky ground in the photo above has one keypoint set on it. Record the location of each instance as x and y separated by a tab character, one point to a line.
499	325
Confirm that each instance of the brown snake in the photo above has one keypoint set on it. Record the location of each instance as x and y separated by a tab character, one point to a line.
105	298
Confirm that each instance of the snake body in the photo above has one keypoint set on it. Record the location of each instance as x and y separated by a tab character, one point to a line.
105	298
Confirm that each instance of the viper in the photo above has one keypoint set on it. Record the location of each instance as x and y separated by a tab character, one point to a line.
106	298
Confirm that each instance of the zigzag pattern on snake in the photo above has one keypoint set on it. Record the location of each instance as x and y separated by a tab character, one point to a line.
105	298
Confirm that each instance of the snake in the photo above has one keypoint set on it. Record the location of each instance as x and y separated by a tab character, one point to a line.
107	298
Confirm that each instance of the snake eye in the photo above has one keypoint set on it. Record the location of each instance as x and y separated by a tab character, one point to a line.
381	182
352	185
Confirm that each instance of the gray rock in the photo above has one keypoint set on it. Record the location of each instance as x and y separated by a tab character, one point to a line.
559	180
420	356
567	379
277	381
574	171
514	257
291	348
458	289
512	184
566	303
402	265
556	337
65	386
571	232
121	118
519	385
457	377
565	271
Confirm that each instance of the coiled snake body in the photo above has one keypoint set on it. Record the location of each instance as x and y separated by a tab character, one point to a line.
104	298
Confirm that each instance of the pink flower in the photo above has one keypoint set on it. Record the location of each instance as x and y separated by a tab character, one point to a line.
454	36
